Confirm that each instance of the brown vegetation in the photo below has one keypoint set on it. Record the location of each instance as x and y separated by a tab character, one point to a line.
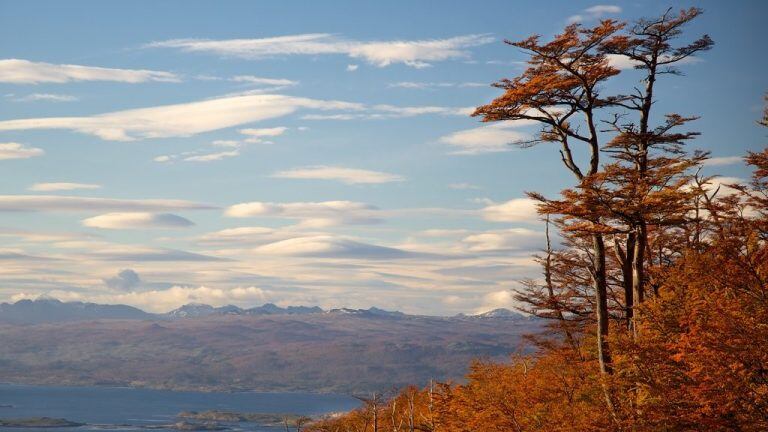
658	297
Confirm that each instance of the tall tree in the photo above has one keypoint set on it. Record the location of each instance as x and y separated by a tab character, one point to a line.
560	85
649	45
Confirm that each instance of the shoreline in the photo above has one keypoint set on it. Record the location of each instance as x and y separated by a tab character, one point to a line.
173	389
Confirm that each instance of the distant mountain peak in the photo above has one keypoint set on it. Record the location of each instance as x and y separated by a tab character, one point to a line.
48	310
370	312
194	310
499	313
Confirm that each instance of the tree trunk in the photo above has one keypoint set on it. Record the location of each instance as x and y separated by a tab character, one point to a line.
626	260
601	307
638	273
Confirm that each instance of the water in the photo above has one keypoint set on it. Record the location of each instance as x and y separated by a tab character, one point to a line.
114	408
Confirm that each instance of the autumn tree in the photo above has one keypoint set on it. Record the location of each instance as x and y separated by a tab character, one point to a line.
649	45
560	91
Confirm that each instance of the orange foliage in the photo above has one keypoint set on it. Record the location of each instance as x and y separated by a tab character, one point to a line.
696	356
701	363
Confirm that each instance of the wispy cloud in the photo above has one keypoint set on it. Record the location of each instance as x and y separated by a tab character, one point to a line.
17	71
210	157
594	12
414	53
342	174
311	214
48	97
433	85
12	150
385	112
137	220
622	62
256	135
326	246
181	120
504	240
234	147
61	186
250	79
723	160
52	203
514	210
493	138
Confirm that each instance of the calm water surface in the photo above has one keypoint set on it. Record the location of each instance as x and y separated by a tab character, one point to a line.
109	408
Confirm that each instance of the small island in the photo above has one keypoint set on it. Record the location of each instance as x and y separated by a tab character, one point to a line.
38	422
267	419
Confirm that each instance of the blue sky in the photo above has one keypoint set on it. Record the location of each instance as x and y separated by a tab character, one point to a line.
314	152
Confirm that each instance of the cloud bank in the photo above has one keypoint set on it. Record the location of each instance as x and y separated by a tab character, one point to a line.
17	71
414	53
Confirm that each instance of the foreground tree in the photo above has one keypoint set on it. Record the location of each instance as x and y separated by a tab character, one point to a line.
559	89
648	44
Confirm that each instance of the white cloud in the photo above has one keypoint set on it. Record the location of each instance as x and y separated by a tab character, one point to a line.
514	210
210	157
256	135
12	150
137	220
724	160
504	240
412	53
226	143
496	300
720	184
344	175
250	79
443	232
622	62
603	9
164	300
50	97
429	85
384	112
180	120
493	138
81	204
352	67
312	214
594	12
200	155
420	110
61	186
18	71
326	246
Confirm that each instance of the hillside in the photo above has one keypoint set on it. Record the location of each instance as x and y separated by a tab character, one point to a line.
341	350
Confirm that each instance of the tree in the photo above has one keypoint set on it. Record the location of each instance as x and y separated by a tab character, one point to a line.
561	84
648	44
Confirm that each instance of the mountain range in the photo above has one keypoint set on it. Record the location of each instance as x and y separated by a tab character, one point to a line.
266	348
50	310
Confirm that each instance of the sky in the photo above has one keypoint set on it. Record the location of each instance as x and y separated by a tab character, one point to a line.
156	153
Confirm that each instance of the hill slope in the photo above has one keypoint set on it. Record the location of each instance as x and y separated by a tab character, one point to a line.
342	350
